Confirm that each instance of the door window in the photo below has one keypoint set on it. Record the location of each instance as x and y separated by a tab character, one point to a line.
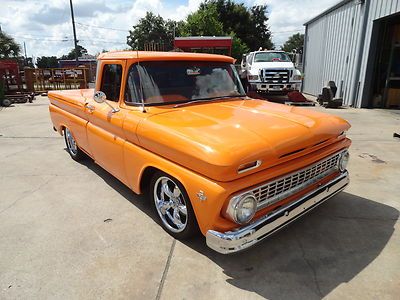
111	81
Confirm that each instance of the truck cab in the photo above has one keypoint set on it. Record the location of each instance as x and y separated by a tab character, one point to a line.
269	71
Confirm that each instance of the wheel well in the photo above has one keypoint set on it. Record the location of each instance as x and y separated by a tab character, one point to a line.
146	178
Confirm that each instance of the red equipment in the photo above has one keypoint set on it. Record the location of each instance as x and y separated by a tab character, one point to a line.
207	44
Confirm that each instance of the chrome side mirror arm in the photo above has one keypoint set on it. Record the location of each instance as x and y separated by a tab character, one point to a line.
100	97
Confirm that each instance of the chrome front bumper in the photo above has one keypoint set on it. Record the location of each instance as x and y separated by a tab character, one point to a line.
247	236
275	87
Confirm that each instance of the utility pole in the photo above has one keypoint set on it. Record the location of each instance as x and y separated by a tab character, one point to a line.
73	27
26	58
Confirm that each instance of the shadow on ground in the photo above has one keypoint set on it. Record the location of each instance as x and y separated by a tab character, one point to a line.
309	258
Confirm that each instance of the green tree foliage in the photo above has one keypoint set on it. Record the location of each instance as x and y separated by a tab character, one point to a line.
238	46
295	42
262	34
153	29
204	22
71	55
47	62
174	28
248	24
8	46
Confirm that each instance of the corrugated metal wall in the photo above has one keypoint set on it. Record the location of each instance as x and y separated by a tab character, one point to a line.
332	47
378	9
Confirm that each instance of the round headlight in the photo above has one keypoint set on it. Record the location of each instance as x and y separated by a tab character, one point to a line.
343	161
245	209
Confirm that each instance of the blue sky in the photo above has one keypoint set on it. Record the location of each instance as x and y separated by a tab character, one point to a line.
45	26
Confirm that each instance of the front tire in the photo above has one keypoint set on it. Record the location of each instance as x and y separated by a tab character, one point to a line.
172	204
72	147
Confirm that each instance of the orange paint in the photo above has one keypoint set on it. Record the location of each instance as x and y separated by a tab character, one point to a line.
203	144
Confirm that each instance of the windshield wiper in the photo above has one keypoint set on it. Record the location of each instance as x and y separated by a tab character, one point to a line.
208	100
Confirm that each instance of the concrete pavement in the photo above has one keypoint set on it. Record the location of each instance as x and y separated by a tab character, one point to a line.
72	231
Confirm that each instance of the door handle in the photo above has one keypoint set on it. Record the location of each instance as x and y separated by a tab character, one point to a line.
90	107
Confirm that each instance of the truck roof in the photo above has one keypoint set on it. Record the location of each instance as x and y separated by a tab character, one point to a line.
150	55
268	51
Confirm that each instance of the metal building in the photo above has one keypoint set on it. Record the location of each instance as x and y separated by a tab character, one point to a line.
356	43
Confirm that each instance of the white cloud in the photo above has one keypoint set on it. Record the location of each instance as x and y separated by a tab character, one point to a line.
288	16
46	27
184	10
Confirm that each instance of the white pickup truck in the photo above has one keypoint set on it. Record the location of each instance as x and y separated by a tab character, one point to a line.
269	71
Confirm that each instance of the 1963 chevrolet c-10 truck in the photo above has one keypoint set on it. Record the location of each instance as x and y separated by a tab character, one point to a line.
179	127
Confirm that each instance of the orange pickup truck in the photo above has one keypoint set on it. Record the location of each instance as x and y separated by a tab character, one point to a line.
179	127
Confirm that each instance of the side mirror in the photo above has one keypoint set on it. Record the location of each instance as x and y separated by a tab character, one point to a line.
100	97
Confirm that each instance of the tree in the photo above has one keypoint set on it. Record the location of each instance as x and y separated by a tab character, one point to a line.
262	36
204	22
248	24
47	62
295	42
71	55
238	46
8	46
152	29
174	28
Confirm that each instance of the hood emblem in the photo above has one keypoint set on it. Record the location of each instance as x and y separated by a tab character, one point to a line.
201	196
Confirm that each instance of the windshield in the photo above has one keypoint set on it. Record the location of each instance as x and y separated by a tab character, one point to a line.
271	56
162	82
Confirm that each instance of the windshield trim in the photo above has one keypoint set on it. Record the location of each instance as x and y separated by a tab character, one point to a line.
210	99
193	101
141	104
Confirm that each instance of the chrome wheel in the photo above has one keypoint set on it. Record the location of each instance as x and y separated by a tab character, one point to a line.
170	204
71	144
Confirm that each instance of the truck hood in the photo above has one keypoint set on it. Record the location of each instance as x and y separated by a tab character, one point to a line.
215	138
273	65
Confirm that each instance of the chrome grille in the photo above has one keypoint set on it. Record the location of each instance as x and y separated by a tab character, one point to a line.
285	186
274	76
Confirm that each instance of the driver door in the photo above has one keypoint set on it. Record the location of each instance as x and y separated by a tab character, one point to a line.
104	130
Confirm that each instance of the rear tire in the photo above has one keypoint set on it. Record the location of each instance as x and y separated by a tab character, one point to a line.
172	205
6	102
72	147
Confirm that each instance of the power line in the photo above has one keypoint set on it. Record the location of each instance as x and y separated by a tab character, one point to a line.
69	39
101	27
289	31
89	38
103	41
41	39
44	36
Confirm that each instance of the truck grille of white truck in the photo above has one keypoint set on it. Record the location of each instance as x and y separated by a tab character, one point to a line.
285	186
274	76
